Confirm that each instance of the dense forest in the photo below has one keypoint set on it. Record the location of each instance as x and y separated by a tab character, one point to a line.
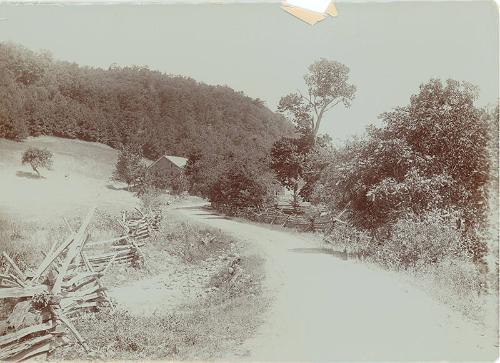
160	113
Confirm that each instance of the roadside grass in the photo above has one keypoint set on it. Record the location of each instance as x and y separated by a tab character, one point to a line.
190	242
202	329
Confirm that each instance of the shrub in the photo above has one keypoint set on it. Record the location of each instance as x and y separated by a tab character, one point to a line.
345	236
240	188
417	241
150	196
129	167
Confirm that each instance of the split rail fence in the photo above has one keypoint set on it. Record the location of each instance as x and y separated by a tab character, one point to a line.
300	218
66	283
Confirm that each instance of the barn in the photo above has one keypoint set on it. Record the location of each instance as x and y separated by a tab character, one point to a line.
168	167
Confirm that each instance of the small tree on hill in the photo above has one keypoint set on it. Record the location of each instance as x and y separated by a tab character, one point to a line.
37	158
129	167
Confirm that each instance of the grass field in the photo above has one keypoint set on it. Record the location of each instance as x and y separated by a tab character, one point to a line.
79	179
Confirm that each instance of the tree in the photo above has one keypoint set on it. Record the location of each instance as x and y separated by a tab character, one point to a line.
37	158
243	185
327	85
431	154
316	160
129	167
288	157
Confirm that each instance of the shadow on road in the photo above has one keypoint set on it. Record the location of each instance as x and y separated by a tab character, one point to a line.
319	250
208	208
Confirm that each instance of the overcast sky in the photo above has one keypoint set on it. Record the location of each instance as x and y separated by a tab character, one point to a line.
259	49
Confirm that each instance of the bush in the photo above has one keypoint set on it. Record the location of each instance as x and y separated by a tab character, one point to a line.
241	188
129	166
418	241
154	179
345	236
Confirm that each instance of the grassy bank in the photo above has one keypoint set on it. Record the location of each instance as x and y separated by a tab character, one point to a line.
224	313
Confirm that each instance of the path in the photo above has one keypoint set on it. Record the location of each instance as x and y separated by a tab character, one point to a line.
327	309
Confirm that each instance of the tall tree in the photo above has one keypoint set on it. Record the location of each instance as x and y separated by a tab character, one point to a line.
327	85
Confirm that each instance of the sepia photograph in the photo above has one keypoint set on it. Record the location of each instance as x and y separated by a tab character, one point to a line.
301	181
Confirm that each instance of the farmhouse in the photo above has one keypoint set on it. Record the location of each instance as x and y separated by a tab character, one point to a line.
168	167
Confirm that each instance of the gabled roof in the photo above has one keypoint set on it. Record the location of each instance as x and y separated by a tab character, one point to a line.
176	160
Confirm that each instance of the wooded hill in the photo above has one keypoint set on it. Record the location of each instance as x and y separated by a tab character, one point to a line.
163	114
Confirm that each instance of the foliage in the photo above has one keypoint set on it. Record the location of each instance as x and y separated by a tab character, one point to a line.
288	157
38	158
190	242
417	241
327	85
429	154
316	160
299	161
345	236
243	185
129	166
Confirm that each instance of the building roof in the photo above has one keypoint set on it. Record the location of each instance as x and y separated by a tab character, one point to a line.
176	160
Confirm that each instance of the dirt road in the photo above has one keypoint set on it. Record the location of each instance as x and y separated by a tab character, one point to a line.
328	309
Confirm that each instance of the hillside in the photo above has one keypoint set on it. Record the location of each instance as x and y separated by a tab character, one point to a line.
79	179
161	113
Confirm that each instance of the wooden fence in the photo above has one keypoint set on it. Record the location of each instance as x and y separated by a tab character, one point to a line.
299	218
67	282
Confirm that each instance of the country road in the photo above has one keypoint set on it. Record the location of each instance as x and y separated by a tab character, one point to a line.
327	309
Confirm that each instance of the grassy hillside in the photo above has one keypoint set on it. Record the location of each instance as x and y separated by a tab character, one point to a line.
79	179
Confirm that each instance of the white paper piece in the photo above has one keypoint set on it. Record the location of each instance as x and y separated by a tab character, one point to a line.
318	6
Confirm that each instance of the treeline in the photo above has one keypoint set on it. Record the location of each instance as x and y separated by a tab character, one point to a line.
119	106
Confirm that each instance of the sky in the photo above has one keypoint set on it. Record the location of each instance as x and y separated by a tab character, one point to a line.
390	48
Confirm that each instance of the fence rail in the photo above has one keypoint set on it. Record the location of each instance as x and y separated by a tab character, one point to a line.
67	282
